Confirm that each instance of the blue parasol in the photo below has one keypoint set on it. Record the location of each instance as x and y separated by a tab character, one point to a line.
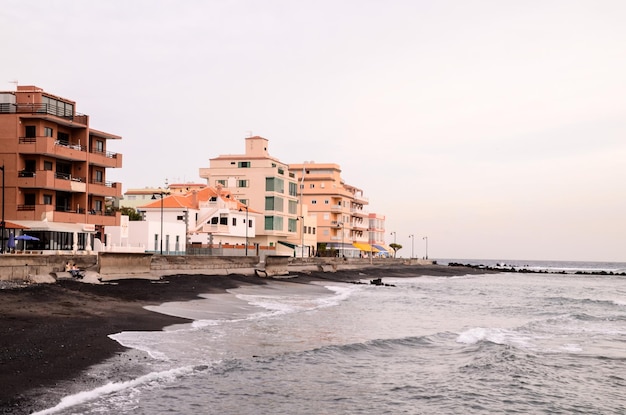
11	243
26	238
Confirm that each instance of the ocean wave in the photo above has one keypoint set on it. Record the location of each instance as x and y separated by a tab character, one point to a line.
112	387
495	335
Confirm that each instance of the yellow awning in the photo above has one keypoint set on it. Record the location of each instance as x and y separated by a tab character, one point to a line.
364	247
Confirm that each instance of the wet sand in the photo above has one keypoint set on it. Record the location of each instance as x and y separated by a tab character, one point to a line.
51	334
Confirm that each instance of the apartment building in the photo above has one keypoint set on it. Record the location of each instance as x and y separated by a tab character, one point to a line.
339	208
55	168
377	234
265	184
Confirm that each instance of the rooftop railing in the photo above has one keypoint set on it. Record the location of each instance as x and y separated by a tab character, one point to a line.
12	108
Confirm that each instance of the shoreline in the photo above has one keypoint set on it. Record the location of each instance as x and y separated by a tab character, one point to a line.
52	334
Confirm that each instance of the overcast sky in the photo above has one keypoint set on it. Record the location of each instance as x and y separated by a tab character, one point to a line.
495	128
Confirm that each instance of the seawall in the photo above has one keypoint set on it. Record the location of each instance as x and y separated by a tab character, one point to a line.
112	266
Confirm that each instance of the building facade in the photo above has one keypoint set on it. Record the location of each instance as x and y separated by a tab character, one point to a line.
339	209
265	184
55	169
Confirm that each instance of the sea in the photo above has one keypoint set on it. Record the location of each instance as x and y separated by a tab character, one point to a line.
510	343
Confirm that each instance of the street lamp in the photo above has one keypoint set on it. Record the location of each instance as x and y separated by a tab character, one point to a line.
426	239
412	244
3	224
340	225
240	209
301	218
154	196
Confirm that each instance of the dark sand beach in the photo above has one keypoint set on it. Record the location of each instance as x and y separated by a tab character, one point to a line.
51	334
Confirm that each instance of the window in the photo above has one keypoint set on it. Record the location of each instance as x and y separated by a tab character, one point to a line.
243	164
250	223
314	202
313	229
100	146
234	221
242	183
273	223
215	220
47	165
156	241
326	201
47	131
293	189
213	199
99	176
293	207
220	183
180	217
274	184
223	220
292	225
56	107
98	205
244	201
47	199
281	170
29	199
30	131
274	203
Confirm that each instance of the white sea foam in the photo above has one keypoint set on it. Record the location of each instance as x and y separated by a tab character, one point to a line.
494	335
112	387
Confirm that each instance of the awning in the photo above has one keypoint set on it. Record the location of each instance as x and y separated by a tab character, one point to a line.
35	225
380	248
364	247
12	225
292	246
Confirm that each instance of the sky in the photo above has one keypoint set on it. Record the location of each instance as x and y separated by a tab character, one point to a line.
496	129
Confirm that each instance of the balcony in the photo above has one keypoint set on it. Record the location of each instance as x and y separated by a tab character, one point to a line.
47	179
359	213
105	159
106	189
49	146
46	111
62	215
216	229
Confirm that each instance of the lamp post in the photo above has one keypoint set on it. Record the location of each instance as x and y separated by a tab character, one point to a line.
301	218
154	195
412	244
302	207
426	239
3	224
340	225
240	209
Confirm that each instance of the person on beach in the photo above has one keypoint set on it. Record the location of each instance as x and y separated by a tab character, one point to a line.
74	270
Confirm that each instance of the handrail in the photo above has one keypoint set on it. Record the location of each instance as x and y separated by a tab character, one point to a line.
50	109
107	154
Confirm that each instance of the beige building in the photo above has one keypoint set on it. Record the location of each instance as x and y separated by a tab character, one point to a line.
339	209
265	184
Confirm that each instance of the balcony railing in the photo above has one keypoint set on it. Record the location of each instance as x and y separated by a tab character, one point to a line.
107	154
37	109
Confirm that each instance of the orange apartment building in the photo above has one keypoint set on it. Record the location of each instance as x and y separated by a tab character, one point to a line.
55	168
340	209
